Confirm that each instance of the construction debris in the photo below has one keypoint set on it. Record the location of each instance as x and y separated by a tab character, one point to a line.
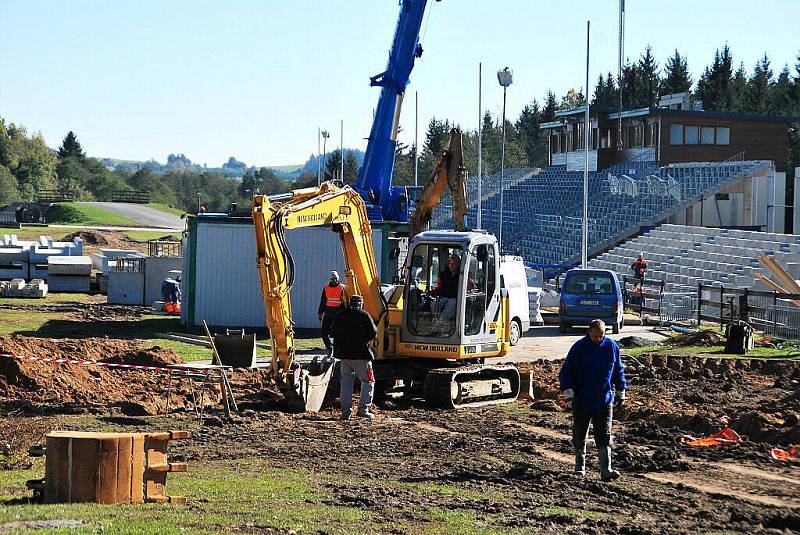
36	289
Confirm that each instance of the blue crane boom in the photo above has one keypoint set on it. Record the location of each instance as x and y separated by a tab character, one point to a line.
374	183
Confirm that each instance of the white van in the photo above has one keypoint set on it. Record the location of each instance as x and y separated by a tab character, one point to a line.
513	279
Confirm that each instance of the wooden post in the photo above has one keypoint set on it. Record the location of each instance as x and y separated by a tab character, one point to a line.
721	305
223	386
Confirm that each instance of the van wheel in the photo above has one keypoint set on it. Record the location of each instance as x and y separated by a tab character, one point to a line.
616	328
562	327
515	332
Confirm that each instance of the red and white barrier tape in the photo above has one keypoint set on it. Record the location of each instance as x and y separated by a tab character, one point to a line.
83	362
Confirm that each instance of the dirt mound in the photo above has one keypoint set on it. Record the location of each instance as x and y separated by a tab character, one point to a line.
155	356
628	342
699	338
98	238
62	387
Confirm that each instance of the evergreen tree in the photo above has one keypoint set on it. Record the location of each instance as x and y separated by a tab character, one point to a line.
739	89
648	82
676	75
333	166
550	105
779	96
630	86
714	87
70	147
605	93
528	132
758	86
351	168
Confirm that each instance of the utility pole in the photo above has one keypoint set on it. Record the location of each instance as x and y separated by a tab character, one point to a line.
586	135
480	146
621	50
416	138
341	150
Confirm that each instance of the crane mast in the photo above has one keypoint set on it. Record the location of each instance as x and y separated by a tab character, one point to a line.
384	201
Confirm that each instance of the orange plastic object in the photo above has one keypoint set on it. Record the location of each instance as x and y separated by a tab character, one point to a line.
726	436
793	454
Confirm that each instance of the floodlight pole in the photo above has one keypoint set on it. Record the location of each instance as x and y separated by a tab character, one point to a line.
319	156
341	150
506	78
325	136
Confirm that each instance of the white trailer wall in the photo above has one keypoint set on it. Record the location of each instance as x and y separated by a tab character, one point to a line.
221	283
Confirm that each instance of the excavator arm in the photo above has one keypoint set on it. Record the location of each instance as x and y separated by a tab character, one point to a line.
344	210
449	172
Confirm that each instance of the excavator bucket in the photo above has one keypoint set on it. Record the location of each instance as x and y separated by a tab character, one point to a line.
309	385
236	348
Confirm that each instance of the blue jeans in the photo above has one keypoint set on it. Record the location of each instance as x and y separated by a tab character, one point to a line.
350	369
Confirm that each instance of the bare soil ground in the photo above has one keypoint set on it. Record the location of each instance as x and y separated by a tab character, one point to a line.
503	468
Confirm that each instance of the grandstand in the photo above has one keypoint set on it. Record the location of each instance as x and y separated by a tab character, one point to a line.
542	219
683	255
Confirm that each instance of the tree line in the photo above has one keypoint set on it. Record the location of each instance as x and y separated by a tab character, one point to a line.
28	165
720	88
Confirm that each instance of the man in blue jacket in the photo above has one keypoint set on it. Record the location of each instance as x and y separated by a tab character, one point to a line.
590	374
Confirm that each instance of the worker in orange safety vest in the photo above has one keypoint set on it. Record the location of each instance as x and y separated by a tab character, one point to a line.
332	302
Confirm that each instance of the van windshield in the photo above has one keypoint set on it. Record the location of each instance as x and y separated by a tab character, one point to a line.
590	283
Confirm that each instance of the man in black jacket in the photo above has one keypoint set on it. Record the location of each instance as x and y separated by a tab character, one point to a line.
353	330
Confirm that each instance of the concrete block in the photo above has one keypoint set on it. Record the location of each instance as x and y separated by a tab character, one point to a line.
125	288
158	268
69	265
69	283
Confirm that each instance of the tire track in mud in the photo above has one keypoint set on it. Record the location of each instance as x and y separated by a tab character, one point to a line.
730	479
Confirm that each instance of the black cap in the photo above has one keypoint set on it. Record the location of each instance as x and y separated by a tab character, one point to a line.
356	301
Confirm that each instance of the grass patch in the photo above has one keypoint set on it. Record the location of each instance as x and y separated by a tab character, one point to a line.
165	208
85	214
574	513
464	523
716	351
15	321
246	495
147	235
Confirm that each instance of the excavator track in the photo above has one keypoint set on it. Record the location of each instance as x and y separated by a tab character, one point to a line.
471	386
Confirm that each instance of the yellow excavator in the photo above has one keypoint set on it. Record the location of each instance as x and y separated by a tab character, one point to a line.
423	338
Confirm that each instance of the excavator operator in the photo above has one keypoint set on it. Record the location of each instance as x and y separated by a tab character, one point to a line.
446	289
330	304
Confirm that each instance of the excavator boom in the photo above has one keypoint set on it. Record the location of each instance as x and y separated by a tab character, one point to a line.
344	210
448	173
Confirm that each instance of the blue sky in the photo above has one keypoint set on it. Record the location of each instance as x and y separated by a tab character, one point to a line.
255	79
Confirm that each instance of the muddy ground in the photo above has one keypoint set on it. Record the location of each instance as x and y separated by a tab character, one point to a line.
512	461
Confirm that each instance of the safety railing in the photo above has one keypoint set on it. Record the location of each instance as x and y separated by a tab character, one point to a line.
773	313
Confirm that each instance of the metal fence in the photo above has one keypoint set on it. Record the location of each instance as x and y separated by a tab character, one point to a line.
677	307
773	313
643	296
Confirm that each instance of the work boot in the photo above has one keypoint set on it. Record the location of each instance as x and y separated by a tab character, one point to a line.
580	461
365	414
606	472
345	417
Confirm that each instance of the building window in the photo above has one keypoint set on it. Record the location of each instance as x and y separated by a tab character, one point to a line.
691	135
707	135
723	135
676	134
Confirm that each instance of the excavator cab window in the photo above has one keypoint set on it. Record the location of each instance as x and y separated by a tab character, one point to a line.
432	290
480	288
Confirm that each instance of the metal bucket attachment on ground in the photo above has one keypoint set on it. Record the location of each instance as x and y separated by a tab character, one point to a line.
309	385
236	348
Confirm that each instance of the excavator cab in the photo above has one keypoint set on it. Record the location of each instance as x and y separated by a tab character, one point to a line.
453	307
